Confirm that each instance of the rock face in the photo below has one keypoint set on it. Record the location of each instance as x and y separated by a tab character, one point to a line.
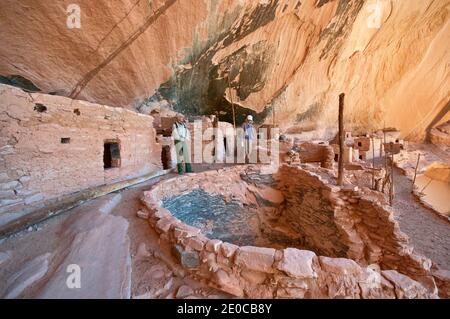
441	134
99	245
31	272
292	57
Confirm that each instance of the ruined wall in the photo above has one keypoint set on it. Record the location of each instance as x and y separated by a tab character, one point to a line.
258	272
310	211
316	153
352	222
36	164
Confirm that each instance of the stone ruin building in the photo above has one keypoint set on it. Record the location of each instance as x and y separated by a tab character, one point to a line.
344	199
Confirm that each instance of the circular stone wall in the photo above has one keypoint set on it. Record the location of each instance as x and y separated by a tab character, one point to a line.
321	219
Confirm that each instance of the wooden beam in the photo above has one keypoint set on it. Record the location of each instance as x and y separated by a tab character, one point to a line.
340	179
373	162
391	191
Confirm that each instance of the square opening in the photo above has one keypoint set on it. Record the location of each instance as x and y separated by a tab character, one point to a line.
359	144
65	140
111	154
166	157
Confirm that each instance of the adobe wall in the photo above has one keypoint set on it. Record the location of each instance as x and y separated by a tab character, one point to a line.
34	163
312	152
258	272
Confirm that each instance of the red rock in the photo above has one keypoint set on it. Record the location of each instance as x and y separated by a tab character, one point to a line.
256	258
163	225
340	266
298	263
254	277
195	243
184	292
185	231
405	287
228	283
213	245
228	249
144	214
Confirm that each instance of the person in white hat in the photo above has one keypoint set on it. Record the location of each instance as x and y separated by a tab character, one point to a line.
249	136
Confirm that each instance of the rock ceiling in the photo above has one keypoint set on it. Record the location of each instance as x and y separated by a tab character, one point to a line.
290	57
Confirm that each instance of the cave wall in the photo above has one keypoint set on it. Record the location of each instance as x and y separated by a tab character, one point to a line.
36	164
286	60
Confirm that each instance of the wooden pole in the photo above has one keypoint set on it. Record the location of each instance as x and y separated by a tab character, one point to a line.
415	173
232	103
340	179
384	146
392	180
373	162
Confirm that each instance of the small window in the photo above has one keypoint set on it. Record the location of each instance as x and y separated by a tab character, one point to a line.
166	157
361	157
336	157
40	108
359	144
111	155
65	140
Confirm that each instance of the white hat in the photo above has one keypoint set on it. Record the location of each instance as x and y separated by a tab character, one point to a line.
249	118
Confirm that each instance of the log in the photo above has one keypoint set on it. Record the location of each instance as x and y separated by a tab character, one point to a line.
340	179
373	163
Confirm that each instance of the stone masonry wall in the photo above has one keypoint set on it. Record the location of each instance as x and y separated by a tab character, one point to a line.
36	165
309	211
258	272
365	227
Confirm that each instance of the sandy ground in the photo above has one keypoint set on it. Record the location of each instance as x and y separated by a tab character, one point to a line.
428	233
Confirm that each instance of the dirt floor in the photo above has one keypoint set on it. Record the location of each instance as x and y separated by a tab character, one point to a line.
428	233
120	256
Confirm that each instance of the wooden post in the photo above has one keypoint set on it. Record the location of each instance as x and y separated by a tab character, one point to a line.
340	179
391	192
415	173
384	146
373	162
231	100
